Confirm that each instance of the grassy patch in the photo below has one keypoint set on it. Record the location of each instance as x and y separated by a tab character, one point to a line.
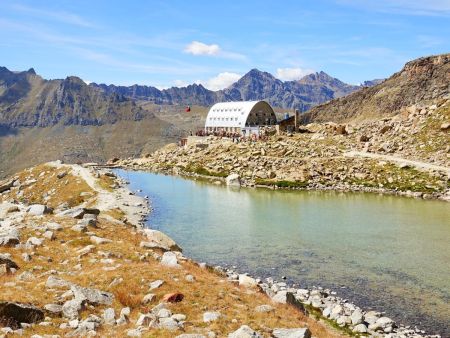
129	295
116	213
199	170
282	183
317	314
106	182
392	177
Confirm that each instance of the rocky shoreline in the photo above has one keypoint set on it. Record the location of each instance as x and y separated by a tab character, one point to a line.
325	304
341	188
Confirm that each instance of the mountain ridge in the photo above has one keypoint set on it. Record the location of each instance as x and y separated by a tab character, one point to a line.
301	94
419	81
28	100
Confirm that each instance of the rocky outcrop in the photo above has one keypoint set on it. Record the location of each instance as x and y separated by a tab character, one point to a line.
420	81
6	185
16	313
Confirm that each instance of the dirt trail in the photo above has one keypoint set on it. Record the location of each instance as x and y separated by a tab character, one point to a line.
417	164
134	207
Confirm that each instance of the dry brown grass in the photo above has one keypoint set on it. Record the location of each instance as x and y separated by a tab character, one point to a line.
65	190
116	213
106	182
210	292
128	294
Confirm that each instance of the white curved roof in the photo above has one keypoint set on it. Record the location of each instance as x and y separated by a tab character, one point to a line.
229	114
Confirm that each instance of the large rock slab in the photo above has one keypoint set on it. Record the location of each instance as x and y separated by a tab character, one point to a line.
211	316
39	210
10	264
56	282
20	313
92	296
6	185
247	281
71	308
76	213
158	239
233	180
292	333
99	240
170	260
9	236
53	309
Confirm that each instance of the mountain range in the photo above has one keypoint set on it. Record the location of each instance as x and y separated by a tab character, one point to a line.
28	100
255	85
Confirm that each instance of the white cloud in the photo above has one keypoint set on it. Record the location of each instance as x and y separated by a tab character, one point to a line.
291	74
200	48
221	81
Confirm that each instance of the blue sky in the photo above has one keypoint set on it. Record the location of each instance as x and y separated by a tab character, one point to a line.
166	43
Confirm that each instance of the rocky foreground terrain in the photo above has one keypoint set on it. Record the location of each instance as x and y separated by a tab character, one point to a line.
75	261
407	154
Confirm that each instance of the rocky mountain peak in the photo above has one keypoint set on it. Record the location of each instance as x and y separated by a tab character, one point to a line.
321	77
258	75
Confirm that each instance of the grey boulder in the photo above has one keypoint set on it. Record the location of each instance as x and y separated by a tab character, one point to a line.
39	210
292	333
245	332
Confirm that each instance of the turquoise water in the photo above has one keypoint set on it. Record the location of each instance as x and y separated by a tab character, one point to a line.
381	252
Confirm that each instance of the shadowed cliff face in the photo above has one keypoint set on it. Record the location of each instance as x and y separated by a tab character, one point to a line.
27	100
43	120
419	81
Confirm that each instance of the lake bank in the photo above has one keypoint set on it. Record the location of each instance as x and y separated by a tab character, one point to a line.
393	278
